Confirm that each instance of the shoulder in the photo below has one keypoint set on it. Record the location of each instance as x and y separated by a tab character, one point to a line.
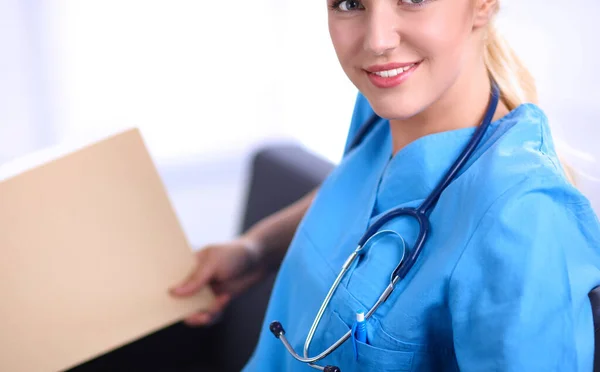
517	158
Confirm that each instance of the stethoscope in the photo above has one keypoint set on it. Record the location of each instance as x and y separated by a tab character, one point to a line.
420	214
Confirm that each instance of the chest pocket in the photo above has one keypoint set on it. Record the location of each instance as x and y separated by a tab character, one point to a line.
368	357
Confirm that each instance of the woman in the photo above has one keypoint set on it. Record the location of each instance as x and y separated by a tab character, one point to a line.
502	280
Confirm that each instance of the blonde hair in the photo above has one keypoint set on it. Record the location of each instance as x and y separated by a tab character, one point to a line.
517	85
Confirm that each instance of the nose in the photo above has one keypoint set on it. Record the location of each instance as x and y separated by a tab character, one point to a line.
382	33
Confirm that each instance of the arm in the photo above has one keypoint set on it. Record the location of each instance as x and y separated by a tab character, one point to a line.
270	237
518	295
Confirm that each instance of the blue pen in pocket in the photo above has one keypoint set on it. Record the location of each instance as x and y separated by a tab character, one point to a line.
359	331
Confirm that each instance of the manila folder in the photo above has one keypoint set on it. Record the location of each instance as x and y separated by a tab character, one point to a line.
89	245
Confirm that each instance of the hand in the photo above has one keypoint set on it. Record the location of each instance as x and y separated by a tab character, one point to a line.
229	269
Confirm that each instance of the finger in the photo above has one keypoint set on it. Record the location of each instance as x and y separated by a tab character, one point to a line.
209	315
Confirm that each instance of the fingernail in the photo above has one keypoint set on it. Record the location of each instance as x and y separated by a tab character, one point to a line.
198	320
178	290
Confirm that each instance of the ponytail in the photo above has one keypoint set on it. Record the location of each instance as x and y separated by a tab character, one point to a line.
516	84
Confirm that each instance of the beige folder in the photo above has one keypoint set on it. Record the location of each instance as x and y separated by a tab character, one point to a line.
89	244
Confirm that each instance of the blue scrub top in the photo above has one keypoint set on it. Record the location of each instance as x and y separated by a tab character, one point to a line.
501	284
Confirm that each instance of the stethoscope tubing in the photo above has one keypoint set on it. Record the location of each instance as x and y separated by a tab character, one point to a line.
420	214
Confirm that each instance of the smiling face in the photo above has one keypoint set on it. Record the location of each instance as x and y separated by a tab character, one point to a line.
404	55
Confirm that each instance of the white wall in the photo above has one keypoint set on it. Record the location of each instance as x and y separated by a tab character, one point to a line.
25	102
207	81
189	73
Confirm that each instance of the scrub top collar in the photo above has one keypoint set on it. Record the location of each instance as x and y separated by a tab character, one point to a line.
413	172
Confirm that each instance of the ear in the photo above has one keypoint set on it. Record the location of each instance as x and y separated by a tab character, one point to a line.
484	12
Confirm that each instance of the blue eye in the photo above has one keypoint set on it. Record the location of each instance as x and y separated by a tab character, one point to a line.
413	2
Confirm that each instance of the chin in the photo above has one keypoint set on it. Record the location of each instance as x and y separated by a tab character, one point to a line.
392	107
398	103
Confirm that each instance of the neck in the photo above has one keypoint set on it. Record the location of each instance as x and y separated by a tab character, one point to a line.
463	105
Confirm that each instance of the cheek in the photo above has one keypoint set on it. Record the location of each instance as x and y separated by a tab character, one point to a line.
441	38
346	44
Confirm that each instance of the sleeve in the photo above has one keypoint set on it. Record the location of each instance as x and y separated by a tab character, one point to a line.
518	295
362	112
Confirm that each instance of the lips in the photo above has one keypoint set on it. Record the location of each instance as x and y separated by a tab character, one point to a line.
392	74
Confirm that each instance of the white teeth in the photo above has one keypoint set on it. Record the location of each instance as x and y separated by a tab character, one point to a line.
394	72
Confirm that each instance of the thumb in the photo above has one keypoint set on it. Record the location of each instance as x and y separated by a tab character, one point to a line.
196	280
